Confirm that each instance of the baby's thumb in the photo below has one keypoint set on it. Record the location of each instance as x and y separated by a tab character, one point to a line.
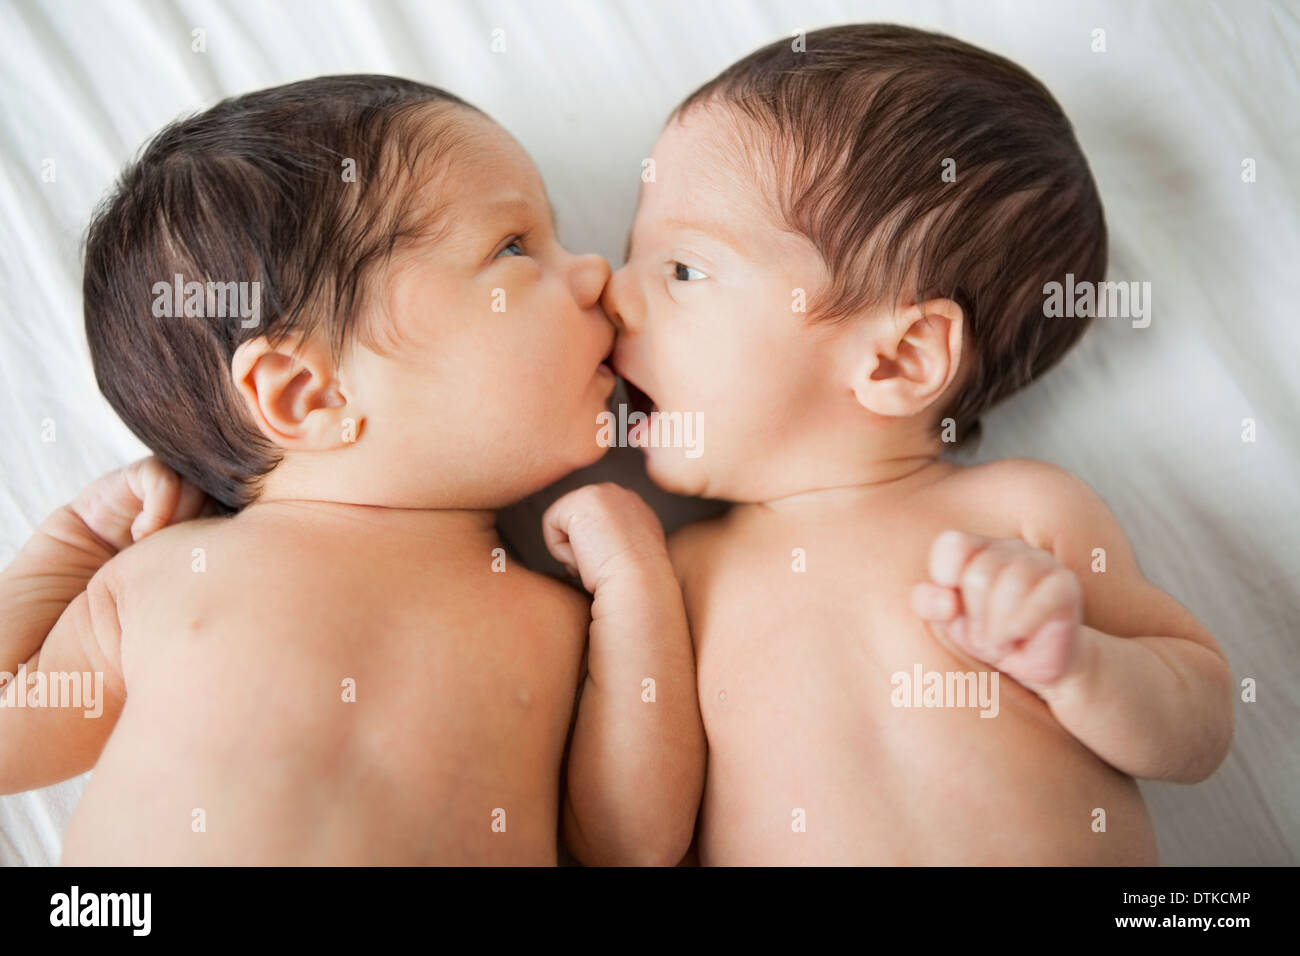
935	603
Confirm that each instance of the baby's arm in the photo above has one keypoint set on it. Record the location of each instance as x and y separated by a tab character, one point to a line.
1123	666
636	762
58	617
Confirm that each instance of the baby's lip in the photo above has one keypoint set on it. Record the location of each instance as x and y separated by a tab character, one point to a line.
607	363
613	363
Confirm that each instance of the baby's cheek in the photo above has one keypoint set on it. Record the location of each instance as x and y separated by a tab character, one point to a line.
697	378
546	403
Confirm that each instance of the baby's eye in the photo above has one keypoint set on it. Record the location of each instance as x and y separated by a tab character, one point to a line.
513	248
684	273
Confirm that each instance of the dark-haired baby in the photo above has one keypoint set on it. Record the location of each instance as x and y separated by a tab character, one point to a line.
349	669
803	276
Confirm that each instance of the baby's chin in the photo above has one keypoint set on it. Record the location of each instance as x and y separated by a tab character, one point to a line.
591	452
673	472
535	465
578	452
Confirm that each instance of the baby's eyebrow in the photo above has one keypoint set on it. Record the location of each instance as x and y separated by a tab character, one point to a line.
715	229
709	228
516	206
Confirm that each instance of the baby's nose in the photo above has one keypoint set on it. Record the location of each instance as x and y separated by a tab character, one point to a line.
616	301
590	274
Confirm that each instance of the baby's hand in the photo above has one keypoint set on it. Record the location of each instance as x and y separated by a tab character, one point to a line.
600	531
126	505
1006	603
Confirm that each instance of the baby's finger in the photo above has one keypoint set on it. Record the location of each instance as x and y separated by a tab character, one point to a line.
934	603
950	553
1057	595
558	544
159	489
976	582
1045	656
555	533
192	503
143	476
1013	584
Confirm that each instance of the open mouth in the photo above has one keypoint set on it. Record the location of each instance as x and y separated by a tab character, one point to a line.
638	400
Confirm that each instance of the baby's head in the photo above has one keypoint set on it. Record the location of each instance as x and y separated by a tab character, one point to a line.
372	306
841	248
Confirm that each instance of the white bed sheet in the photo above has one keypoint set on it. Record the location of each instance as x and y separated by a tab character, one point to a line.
1152	418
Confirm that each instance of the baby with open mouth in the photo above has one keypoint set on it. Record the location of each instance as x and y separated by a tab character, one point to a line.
339	310
838	262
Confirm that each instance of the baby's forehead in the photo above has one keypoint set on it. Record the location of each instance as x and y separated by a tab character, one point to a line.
703	149
476	178
483	160
705	162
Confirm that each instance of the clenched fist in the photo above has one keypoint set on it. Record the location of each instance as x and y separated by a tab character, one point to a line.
126	505
600	531
1006	603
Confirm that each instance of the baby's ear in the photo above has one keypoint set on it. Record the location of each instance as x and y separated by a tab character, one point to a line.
292	392
914	355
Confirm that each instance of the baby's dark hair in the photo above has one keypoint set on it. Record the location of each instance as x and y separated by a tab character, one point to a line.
852	134
304	189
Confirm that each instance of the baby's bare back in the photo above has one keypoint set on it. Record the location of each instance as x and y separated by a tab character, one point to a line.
316	692
820	751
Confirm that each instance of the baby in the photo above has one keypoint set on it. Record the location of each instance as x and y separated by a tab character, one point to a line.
839	264
340	311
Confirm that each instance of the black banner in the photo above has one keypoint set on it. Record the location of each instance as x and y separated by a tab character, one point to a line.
720	905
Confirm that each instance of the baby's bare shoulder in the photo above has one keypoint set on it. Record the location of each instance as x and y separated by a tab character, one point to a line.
170	554
253	571
1040	479
1043	502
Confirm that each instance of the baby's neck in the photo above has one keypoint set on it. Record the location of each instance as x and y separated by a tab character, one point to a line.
450	527
878	480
